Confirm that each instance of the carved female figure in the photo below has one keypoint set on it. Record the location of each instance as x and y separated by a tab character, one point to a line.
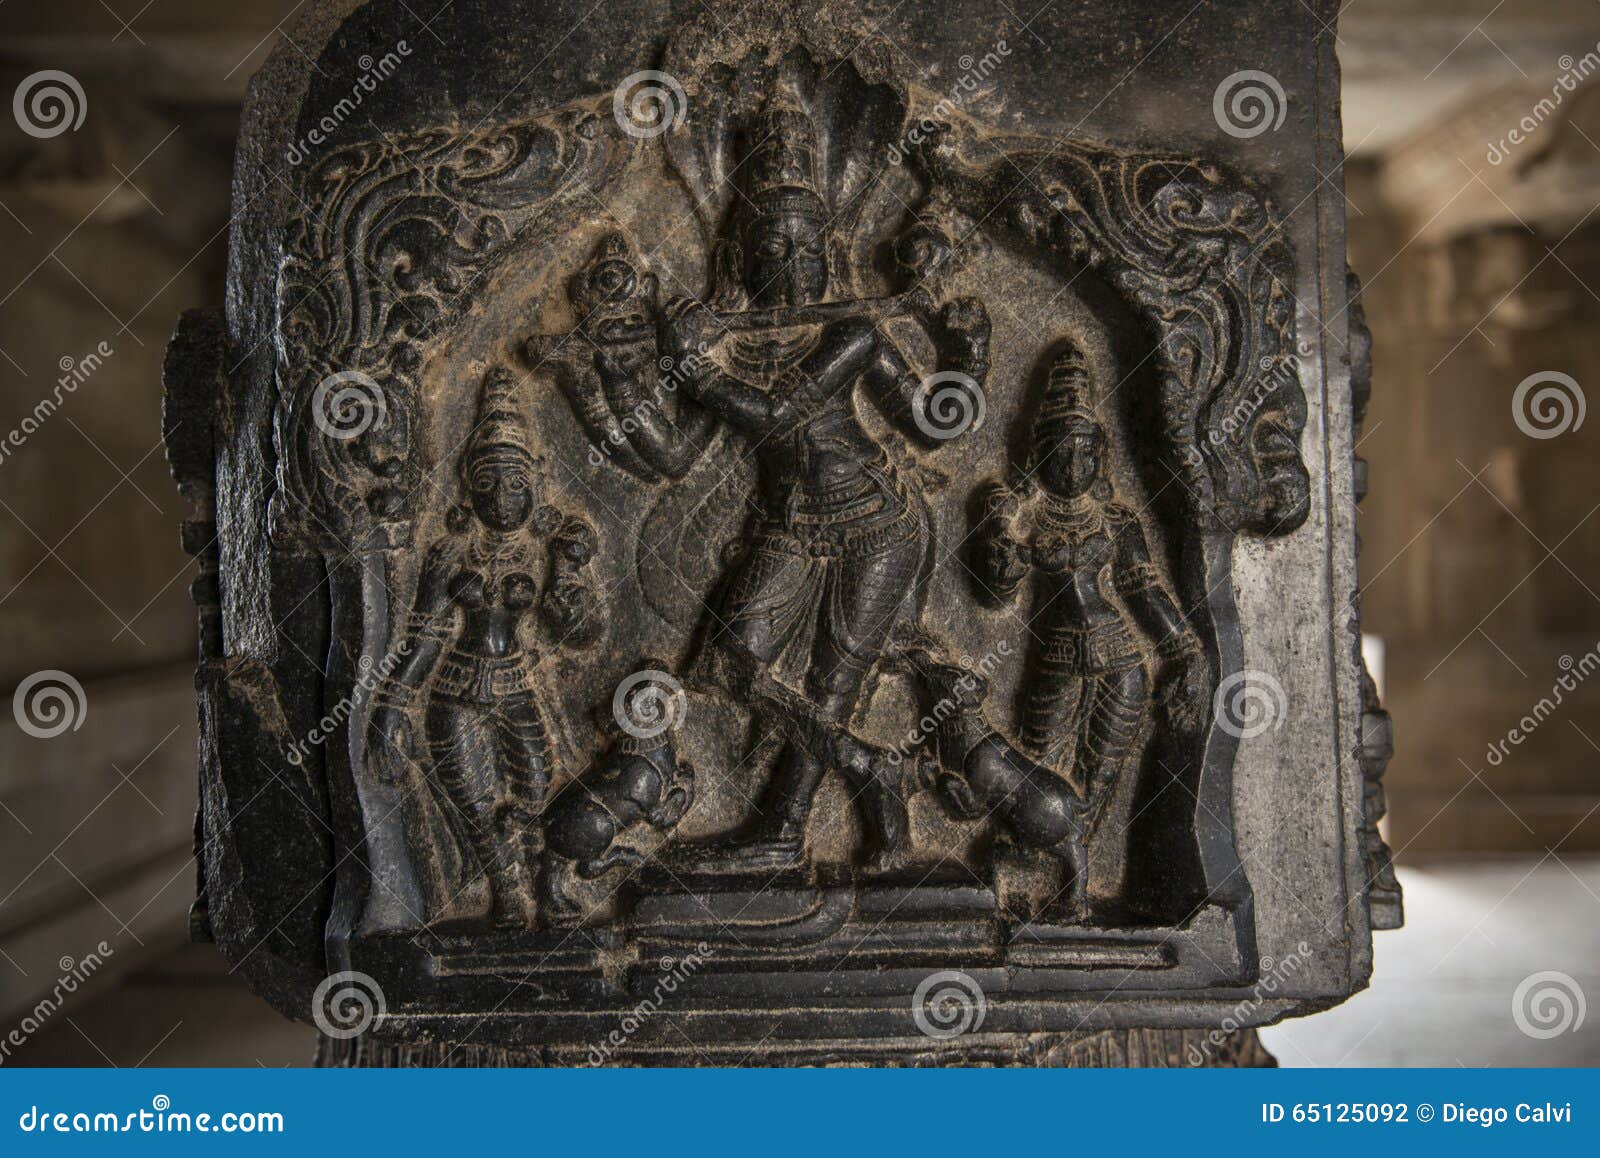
508	554
841	548
1087	688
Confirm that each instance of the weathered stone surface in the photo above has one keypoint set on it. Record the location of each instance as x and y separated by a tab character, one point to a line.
732	531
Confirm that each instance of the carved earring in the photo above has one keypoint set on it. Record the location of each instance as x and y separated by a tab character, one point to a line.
729	265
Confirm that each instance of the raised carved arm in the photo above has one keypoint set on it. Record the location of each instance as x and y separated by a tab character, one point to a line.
1184	684
1000	557
919	406
569	606
688	329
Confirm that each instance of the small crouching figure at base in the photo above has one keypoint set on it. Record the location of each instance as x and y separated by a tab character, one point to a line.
976	774
639	778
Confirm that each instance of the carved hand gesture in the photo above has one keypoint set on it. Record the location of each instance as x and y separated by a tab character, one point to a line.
961	332
576	543
688	327
390	744
1185	693
1003	563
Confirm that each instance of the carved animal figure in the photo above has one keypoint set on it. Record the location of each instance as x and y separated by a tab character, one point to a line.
638	779
978	775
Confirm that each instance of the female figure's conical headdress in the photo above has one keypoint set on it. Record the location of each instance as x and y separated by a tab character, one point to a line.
500	434
1069	398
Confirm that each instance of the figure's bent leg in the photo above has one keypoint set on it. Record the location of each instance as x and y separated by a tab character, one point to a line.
463	739
1114	704
868	598
762	615
523	763
1050	714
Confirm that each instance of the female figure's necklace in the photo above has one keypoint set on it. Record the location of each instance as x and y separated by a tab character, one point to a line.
494	554
1078	518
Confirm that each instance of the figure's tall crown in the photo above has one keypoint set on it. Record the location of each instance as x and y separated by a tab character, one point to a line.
501	434
1069	395
781	161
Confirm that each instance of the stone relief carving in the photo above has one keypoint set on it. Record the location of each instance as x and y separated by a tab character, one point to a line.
940	591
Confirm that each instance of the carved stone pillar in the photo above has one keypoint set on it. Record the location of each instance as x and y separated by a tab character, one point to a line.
750	536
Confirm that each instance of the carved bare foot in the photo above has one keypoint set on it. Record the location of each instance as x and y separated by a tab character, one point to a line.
555	906
1072	910
513	909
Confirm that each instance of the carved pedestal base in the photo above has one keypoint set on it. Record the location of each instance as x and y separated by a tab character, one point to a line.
1108	1049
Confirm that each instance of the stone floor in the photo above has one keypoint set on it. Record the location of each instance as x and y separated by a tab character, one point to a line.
1441	994
1443	987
